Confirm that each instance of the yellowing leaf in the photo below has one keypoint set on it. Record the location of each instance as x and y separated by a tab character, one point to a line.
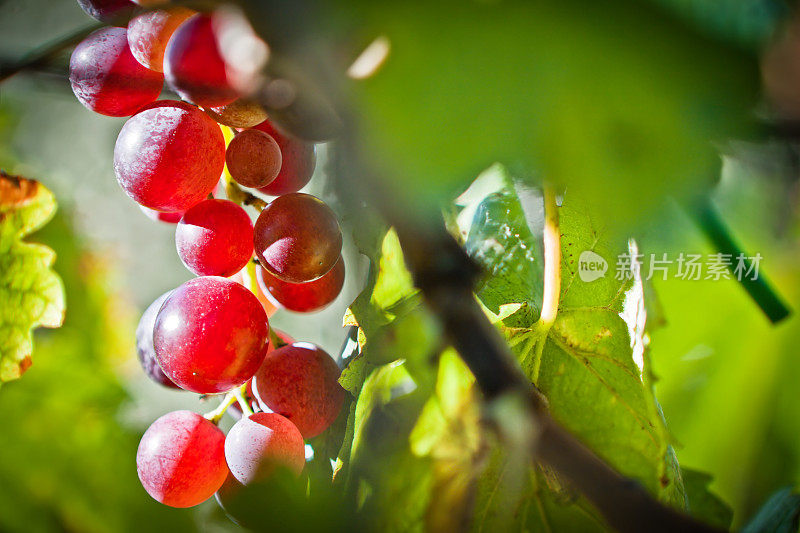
31	294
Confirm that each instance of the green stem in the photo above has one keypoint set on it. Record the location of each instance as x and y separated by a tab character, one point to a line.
275	340
238	393
759	289
552	276
216	415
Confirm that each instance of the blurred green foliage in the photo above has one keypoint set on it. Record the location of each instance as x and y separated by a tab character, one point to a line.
67	462
615	99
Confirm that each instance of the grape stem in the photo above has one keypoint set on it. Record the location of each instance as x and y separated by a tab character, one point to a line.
275	340
238	393
216	415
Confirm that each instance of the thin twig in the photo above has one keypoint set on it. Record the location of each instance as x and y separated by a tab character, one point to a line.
45	54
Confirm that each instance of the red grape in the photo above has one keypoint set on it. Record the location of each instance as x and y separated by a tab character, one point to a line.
144	343
300	382
298	162
149	32
181	459
210	335
107	11
169	156
241	113
258	444
253	158
248	279
215	238
297	238
107	79
194	66
303	297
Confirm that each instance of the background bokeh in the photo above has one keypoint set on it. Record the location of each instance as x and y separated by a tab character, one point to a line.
69	428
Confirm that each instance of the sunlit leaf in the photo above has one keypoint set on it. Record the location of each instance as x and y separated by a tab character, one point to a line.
32	294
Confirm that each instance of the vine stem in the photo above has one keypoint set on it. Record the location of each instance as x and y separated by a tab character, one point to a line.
552	275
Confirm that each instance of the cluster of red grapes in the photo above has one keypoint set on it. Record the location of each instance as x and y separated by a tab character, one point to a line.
211	334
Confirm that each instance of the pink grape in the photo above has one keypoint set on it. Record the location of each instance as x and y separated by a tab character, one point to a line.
144	343
298	159
194	66
210	335
107	11
300	382
181	459
107	79
297	238
215	238
303	297
149	32
257	445
241	113
253	158
169	156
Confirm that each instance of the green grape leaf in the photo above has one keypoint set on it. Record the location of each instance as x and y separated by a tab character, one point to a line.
585	366
32	293
704	504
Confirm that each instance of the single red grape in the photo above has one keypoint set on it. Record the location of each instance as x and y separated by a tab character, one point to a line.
253	158
215	238
108	11
297	238
181	459
210	335
300	382
107	79
149	32
297	163
303	297
241	113
258	444
194	66
144	343
169	156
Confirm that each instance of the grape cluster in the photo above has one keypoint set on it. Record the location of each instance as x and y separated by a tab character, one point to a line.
211	335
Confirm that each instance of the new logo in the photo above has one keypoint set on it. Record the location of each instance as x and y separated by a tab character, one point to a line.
591	266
